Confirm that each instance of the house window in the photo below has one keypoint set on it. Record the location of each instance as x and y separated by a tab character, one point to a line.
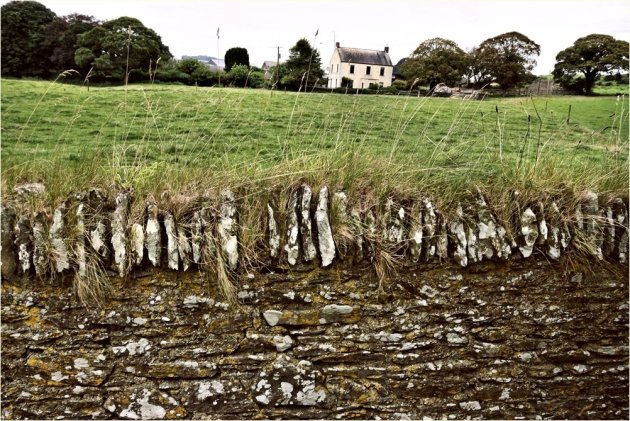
368	69
351	68
382	71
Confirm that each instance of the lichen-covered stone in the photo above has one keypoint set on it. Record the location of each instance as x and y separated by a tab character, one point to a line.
620	218
143	402
309	252
324	231
357	228
24	244
458	237
344	226
209	248
137	244
196	237
40	258
592	218
553	243
529	232
227	228
80	254
98	239
273	233
415	235
370	234
119	231
292	246
172	243
394	223
332	313
429	226
9	256
30	189
184	248
441	243
153	235
57	235
543	231
474	254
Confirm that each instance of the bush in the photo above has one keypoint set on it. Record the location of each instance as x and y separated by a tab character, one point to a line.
399	84
238	75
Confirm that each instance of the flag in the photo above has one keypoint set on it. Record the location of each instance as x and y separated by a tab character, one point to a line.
218	32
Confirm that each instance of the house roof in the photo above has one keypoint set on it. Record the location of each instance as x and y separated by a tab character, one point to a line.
358	55
269	64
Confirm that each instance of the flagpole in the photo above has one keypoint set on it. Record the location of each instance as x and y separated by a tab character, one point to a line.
308	71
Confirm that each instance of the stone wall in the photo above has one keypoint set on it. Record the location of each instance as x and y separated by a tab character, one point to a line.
475	316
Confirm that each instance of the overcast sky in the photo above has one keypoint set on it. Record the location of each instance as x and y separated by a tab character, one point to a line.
189	27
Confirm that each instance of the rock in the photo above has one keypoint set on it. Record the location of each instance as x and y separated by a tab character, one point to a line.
471	240
30	189
153	235
143	403
429	226
58	235
227	228
292	246
98	239
620	217
80	256
137	244
529	232
119	232
172	243
24	244
289	382
274	234
282	343
308	248
370	234
592	223
458	237
543	231
272	317
394	223
40	258
415	235
196	237
9	256
442	90
324	231
208	248
470	406
184	248
332	313
553	242
357	228
345	229
441	244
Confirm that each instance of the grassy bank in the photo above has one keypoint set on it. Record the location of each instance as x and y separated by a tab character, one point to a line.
160	137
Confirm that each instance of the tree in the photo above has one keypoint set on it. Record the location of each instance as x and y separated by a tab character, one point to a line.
118	46
304	66
507	59
436	60
234	56
61	37
589	56
23	30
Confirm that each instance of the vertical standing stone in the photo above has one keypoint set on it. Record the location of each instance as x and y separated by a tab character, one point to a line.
529	232
57	235
196	237
324	231
415	235
9	256
153	235
308	248
40	259
274	234
184	248
80	241
357	229
342	223
429	226
441	246
553	242
370	230
119	232
208	249
394	223
474	254
458	234
227	228
486	230
591	224
172	246
292	247
137	244
24	244
620	218
543	231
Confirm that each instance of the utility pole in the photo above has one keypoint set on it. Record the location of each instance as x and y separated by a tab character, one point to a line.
218	55
278	67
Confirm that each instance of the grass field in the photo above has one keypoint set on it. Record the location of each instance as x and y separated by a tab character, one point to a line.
154	137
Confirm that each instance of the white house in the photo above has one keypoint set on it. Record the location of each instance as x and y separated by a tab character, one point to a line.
363	67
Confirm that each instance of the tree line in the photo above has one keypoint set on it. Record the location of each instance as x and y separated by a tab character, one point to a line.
507	60
38	43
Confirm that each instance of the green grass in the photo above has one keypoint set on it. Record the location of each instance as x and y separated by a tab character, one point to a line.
610	88
156	137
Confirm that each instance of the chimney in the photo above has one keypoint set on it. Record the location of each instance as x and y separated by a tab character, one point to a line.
387	49
337	44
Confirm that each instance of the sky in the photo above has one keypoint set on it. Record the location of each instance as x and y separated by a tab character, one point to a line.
189	27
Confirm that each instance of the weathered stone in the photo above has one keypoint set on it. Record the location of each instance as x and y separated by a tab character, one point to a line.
137	244
184	248
346	231
119	232
429	226
24	244
290	382
306	235
9	256
415	235
57	235
553	243
172	244
529	232
358	230
143	403
98	239
196	237
592	223
153	235
179	369
458	237
282	343
332	313
474	253
40	258
227	228
543	231
441	243
394	221
274	234
620	216
370	234
30	189
209	248
324	231
292	246
80	254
